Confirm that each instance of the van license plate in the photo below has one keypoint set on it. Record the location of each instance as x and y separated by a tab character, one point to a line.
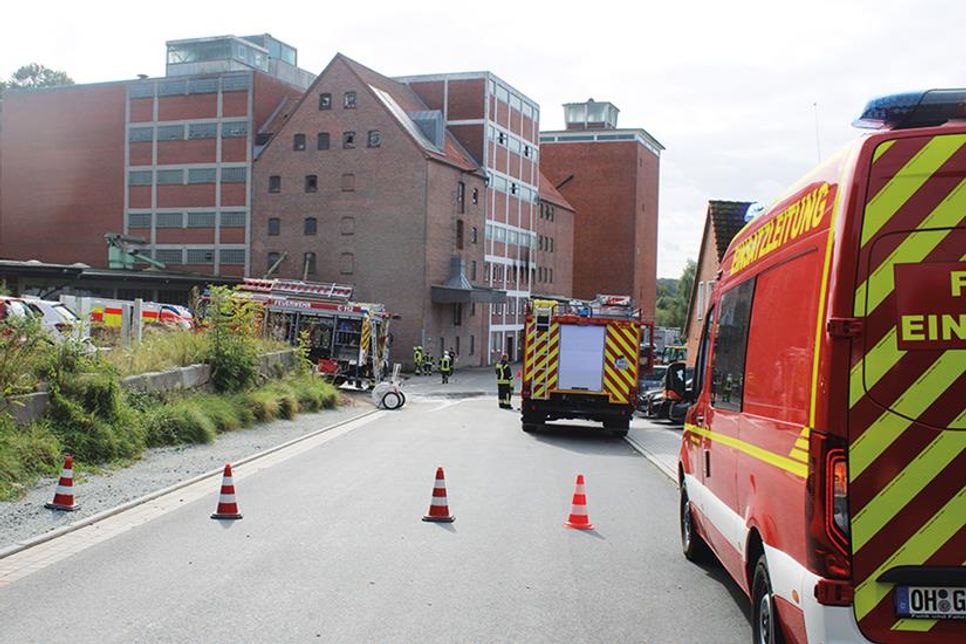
931	602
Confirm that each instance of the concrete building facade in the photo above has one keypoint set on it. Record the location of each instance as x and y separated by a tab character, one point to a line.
363	184
610	177
165	159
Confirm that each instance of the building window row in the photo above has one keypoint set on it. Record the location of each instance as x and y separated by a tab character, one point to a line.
547	211
511	236
180	176
178	87
546	243
201	256
349	100
188	131
515	101
373	140
312	183
310	226
197	219
545	275
512	142
524	193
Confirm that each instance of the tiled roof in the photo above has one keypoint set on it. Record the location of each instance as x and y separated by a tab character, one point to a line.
549	193
404	96
727	218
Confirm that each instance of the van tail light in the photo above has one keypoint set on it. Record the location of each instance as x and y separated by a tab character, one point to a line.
827	509
833	592
671	395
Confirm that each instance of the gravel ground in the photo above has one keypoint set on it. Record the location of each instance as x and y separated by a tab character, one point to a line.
157	469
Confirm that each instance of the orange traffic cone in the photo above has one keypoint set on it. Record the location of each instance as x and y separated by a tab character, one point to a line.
578	513
64	495
227	508
438	508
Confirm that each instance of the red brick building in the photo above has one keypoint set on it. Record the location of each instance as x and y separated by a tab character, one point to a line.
554	227
166	159
723	221
610	177
499	126
364	184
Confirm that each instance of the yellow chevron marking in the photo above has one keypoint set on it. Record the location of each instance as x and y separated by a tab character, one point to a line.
619	344
907	181
911	404
914	248
798	455
882	357
779	461
801	443
920	546
882	149
892	498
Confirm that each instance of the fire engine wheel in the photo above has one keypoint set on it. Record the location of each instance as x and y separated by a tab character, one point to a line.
767	630
618	427
692	544
393	400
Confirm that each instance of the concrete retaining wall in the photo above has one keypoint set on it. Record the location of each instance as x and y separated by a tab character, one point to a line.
31	407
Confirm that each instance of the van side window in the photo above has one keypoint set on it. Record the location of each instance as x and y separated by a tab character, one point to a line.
728	361
701	363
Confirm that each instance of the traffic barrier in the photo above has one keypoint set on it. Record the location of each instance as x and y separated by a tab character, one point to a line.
227	507
578	513
438	507
64	495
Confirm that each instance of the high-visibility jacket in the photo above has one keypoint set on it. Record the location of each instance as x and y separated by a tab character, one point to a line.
446	364
504	376
417	356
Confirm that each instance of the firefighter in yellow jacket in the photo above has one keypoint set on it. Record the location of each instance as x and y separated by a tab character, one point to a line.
504	382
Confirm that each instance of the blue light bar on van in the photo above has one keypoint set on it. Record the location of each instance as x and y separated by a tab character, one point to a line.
913	109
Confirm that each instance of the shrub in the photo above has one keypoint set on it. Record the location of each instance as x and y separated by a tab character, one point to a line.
184	421
233	350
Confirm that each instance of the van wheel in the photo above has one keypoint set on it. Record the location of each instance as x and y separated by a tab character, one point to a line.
766	629
392	400
693	546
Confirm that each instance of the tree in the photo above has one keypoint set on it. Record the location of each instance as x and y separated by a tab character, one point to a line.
672	305
36	75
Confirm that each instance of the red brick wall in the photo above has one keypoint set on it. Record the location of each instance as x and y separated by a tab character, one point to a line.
181	196
186	236
175	152
614	193
471	137
465	99
707	270
561	230
62	175
269	93
191	106
431	92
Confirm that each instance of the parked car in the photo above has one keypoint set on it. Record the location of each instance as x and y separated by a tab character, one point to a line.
13	307
58	320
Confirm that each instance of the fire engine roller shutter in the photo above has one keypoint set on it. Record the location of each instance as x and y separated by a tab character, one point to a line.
907	392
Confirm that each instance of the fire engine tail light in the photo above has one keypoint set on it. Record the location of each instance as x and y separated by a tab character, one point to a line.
827	507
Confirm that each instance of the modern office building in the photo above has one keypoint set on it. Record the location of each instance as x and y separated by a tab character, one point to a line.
499	126
610	177
164	159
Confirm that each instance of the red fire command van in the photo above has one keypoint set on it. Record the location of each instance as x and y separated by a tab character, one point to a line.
823	461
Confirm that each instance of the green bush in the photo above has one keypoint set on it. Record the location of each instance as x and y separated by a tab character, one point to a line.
26	453
234	349
184	421
263	404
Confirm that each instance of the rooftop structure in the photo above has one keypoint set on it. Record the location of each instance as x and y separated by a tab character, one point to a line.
219	54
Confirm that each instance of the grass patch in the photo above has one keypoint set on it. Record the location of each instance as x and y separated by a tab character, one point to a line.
26	454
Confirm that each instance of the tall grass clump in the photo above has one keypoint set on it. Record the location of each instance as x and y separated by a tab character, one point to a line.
160	350
233	345
26	453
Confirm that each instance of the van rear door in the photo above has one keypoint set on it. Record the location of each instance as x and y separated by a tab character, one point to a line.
907	393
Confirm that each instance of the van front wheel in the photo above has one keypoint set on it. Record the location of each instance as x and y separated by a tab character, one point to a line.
694	547
767	629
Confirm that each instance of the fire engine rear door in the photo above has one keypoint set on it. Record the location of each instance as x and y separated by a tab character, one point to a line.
907	395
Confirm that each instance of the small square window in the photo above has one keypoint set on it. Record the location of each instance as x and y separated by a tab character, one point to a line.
348	225
274	226
348	182
325	101
375	138
311	225
473	235
347	263
348	140
476	198
298	142
311	183
349	100
275	183
526	151
501	137
308	264
272	258
323	141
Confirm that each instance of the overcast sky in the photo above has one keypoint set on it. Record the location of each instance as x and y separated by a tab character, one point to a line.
729	88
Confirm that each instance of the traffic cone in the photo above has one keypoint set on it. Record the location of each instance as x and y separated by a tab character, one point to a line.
227	508
64	495
578	513
438	508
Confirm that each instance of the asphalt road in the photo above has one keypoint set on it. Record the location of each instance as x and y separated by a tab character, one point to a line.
332	548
